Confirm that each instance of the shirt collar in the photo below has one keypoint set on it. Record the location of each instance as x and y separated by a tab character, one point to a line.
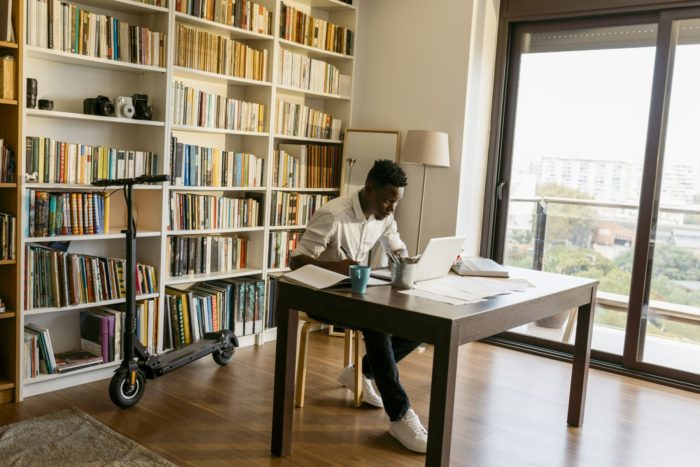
357	208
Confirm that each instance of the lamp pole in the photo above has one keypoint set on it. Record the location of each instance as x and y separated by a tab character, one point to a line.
422	201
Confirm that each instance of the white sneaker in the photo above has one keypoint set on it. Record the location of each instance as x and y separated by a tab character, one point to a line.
369	395
410	432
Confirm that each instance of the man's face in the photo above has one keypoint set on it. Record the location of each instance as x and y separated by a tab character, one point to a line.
383	200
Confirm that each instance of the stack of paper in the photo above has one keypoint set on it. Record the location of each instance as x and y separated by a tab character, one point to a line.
458	290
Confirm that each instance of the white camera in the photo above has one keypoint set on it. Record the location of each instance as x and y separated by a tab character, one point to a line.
123	107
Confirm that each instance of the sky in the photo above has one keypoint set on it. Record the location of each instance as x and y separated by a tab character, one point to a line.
595	105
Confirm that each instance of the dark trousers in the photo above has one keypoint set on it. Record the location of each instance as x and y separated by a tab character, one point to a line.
384	351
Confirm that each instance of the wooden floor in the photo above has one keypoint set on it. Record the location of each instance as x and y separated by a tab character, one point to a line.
510	411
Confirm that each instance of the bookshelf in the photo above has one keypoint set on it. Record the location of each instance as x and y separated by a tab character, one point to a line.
208	81
10	202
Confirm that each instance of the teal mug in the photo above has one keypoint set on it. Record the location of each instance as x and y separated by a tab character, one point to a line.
359	277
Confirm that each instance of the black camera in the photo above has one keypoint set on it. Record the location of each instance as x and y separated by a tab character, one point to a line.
99	105
142	111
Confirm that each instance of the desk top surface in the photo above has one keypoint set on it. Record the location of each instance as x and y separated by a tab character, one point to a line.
551	293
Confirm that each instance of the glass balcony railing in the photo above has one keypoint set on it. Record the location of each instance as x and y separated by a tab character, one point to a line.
596	239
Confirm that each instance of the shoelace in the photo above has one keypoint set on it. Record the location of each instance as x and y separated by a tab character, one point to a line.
415	425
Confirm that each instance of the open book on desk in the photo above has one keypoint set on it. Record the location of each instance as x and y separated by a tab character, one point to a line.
483	267
319	278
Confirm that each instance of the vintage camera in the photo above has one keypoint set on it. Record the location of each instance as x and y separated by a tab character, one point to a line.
142	111
123	107
99	105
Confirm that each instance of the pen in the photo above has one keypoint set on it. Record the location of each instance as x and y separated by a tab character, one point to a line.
345	252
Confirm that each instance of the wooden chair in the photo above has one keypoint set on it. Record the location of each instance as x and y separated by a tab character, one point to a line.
309	325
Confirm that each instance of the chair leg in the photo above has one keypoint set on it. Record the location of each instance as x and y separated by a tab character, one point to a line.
348	348
569	325
358	369
301	363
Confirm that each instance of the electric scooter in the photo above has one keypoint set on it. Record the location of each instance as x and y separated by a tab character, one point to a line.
129	381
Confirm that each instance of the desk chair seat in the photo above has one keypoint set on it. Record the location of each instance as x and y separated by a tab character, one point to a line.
309	325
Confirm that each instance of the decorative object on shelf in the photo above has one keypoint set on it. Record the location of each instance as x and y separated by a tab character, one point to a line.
142	111
7	77
123	107
45	104
100	105
2	306
429	149
32	88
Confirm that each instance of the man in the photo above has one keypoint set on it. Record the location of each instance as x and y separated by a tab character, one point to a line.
342	233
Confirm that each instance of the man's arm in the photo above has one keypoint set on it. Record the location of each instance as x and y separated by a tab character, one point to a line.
391	241
320	231
341	267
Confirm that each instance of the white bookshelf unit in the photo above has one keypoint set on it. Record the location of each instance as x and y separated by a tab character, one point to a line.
68	78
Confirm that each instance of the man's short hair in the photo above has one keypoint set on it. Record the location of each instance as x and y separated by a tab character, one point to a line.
386	172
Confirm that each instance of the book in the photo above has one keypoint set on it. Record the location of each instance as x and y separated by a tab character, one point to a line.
478	266
7	32
319	278
75	359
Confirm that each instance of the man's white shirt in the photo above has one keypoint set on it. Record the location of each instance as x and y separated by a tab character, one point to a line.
341	223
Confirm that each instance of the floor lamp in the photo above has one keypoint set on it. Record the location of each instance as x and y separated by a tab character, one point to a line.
429	149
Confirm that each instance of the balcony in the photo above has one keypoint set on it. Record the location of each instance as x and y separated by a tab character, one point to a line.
596	239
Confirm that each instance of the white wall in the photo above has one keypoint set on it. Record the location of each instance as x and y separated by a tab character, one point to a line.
429	66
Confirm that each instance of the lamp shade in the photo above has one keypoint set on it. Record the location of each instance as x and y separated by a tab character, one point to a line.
424	147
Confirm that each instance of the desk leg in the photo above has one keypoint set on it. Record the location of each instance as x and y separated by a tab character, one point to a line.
442	397
285	360
582	359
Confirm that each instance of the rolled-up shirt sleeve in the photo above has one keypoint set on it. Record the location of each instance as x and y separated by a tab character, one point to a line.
390	240
319	232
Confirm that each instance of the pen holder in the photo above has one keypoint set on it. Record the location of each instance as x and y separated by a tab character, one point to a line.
402	275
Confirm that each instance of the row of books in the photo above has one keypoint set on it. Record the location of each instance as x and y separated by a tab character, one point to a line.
306	166
52	161
204	51
235	304
294	209
55	278
101	336
209	254
160	3
69	28
7	163
297	26
282	243
193	165
242	14
7	236
199	108
197	212
299	71
303	121
51	213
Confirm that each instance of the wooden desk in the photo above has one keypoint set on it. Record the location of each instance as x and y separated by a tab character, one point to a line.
445	326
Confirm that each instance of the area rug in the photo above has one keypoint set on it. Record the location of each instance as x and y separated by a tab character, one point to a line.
70	437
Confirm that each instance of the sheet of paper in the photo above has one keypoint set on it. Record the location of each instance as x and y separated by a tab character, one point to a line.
315	277
471	288
436	297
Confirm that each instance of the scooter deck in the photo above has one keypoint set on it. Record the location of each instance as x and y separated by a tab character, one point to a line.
184	355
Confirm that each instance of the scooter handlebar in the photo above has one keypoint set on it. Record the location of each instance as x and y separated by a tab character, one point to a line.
131	181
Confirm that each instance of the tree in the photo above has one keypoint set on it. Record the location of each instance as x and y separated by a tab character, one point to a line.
567	223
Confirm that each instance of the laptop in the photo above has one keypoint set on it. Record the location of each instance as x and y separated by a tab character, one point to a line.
437	259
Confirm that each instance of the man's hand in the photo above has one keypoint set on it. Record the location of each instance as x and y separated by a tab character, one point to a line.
341	267
402	253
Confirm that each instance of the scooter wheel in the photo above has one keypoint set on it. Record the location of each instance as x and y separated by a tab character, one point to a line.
223	357
121	394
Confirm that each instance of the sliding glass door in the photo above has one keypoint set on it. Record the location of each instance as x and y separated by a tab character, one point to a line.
576	163
597	174
670	318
